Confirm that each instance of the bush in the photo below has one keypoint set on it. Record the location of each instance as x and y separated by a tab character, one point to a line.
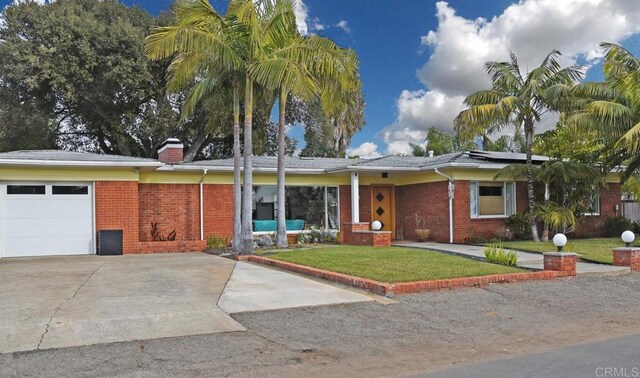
317	236
635	227
214	242
494	253
519	225
615	226
265	241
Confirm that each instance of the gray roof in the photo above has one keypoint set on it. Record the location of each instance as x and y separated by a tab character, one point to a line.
69	157
291	162
395	162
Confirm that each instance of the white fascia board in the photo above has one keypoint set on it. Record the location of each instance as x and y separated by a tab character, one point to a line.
65	163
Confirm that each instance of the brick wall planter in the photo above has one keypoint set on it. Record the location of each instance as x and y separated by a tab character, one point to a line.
387	289
172	246
627	257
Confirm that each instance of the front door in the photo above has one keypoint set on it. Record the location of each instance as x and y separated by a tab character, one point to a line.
382	207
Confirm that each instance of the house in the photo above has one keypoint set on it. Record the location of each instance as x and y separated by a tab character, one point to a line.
57	202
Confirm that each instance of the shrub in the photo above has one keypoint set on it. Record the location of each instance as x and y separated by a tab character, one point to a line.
214	241
519	225
504	233
494	253
317	236
635	227
265	241
615	226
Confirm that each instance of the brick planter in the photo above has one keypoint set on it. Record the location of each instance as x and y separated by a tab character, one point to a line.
388	289
561	262
627	257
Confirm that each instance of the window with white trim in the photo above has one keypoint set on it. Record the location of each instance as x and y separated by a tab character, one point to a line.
492	199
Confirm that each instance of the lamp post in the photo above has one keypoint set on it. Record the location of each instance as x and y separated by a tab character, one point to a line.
563	262
628	237
559	240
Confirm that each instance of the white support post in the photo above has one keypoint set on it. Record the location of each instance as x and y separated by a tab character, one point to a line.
355	198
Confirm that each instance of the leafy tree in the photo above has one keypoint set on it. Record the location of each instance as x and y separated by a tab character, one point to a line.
521	100
441	142
82	66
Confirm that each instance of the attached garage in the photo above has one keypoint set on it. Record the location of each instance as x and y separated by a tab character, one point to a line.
46	219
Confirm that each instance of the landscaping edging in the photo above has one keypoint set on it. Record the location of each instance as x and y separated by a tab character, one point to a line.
404	287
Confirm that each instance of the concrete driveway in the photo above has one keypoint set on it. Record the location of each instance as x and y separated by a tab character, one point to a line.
67	301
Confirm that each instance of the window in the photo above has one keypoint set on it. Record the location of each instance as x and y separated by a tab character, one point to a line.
70	189
306	207
492	199
594	206
25	189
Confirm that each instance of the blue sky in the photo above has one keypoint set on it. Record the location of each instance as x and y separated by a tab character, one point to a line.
420	58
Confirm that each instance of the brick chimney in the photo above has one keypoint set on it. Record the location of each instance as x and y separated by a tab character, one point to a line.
171	151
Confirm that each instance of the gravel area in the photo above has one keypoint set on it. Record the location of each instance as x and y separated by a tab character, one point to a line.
420	333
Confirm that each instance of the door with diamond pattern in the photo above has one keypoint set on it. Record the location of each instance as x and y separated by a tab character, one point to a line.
382	210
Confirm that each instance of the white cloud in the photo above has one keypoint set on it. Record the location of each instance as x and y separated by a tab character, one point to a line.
529	28
302	14
344	25
316	25
366	150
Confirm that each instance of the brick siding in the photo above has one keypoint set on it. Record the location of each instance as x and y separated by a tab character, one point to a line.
116	205
172	207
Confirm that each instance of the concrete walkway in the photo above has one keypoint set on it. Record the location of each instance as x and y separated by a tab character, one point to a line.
525	259
257	288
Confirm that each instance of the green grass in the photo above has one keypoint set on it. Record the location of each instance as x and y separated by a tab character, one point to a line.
594	249
390	264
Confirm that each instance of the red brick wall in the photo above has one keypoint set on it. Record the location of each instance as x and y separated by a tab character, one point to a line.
431	202
592	225
345	205
218	210
116	205
172	207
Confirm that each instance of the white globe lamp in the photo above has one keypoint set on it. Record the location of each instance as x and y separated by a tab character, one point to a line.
376	225
559	240
628	237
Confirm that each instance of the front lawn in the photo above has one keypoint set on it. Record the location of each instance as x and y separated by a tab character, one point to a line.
595	249
390	264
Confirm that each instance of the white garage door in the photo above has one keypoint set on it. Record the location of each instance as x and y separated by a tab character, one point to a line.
46	219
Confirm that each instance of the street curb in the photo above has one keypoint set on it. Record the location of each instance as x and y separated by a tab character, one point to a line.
404	287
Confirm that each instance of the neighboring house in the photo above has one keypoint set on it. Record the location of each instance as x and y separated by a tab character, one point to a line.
56	202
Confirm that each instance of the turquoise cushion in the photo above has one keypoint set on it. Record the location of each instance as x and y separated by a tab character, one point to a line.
272	225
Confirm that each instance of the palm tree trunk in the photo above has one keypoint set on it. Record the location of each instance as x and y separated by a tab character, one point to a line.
237	191
528	131
246	243
547	195
282	224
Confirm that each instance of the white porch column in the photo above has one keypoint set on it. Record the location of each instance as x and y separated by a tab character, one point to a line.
355	198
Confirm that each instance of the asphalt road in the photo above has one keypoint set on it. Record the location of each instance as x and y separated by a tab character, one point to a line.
611	358
420	334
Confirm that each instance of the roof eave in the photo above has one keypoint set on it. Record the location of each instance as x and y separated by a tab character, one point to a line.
78	164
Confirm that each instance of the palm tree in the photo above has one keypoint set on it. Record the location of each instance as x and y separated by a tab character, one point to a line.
207	56
521	99
297	65
612	107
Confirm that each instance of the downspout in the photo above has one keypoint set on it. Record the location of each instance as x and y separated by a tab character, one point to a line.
204	173
451	191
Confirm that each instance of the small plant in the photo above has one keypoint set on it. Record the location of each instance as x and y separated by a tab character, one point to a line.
216	242
157	236
496	254
315	236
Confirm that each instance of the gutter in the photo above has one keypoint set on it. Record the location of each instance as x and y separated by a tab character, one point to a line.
451	192
204	173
